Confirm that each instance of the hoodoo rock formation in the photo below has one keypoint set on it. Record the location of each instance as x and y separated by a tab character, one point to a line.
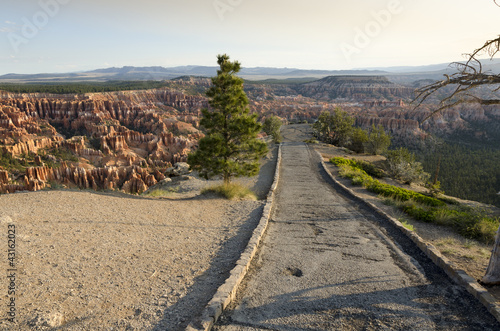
117	140
127	140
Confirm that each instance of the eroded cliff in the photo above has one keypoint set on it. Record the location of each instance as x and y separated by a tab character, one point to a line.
103	133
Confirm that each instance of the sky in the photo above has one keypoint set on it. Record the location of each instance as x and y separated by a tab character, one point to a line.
49	36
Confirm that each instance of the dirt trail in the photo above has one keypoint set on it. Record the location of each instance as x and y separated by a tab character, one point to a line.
328	264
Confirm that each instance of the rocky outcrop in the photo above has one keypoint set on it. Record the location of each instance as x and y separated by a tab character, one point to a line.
132	179
4	177
355	88
113	140
405	121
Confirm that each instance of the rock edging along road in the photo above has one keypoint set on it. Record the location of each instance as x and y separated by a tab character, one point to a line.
226	293
329	263
458	275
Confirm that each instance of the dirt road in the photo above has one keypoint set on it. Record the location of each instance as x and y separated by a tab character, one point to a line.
328	264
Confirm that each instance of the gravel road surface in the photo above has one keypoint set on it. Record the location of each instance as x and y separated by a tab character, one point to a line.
328	264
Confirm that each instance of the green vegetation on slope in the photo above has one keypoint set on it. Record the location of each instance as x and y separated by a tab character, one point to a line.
469	222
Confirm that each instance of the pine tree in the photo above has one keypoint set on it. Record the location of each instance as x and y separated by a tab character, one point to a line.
230	147
378	140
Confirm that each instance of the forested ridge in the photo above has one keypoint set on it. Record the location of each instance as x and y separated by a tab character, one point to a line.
467	171
81	87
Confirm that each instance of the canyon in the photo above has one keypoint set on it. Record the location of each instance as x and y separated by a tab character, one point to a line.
118	140
127	140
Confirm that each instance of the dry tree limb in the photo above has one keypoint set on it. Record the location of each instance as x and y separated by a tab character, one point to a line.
470	75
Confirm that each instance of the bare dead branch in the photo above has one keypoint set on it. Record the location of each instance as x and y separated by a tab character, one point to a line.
470	75
473	99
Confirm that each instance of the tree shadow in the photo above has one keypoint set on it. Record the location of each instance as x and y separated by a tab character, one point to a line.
178	315
385	309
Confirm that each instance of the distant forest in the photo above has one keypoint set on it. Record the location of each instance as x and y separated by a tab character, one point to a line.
466	171
81	87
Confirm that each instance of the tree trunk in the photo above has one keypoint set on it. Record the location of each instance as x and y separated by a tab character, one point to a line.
227	179
492	276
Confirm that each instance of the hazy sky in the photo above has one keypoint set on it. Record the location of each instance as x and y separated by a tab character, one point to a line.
71	35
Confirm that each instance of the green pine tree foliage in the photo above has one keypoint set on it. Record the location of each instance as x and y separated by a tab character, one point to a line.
359	138
230	147
334	128
378	140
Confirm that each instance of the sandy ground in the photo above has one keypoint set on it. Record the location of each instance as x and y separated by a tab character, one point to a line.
109	261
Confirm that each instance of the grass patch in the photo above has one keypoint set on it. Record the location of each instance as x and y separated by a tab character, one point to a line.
232	191
407	225
448	251
469	244
367	167
160	193
484	253
402	194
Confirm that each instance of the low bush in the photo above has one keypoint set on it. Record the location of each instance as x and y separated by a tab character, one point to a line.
403	166
419	213
403	194
231	191
408	225
357	176
161	192
468	222
369	168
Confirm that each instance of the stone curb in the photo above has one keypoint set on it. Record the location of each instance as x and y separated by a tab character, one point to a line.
458	275
226	292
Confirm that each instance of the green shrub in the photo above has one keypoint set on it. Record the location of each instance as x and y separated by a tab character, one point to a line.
445	216
475	224
271	127
358	176
367	167
468	222
471	223
7	162
334	128
407	225
421	214
403	166
403	194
